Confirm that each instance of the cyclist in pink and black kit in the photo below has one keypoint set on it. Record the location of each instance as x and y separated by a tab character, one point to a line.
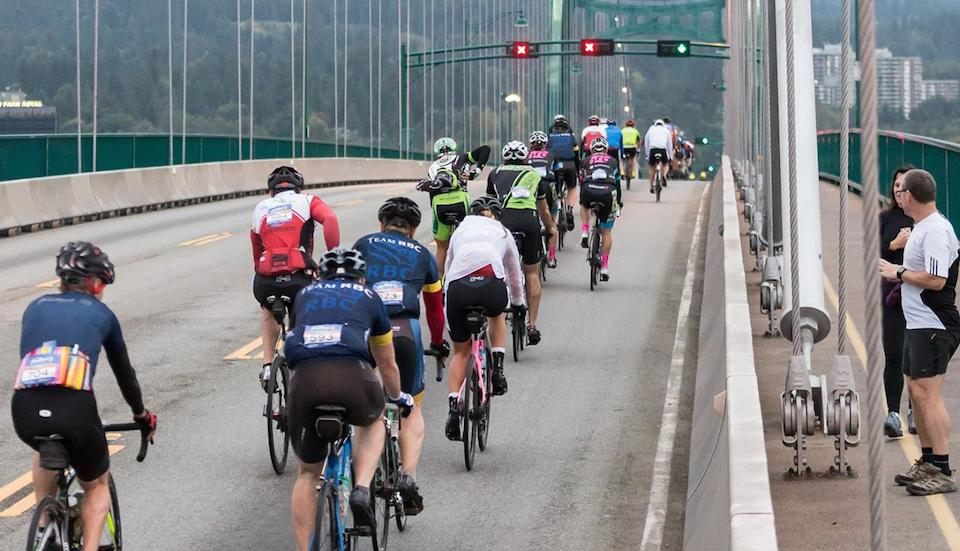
282	240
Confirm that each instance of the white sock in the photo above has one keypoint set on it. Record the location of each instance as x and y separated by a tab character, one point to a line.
453	395
499	349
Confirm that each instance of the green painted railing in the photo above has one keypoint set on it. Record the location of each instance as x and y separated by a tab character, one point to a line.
940	158
41	155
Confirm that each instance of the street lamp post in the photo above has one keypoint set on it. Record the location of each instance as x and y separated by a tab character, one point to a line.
511	100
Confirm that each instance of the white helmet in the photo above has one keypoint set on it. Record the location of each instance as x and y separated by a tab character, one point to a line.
658	122
538	137
444	145
599	145
514	151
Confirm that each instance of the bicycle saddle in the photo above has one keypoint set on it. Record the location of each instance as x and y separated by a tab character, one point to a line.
329	424
475	319
53	452
278	307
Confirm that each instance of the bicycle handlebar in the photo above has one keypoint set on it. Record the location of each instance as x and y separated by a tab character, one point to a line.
144	435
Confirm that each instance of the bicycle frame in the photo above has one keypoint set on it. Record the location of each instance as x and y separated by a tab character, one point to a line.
479	347
336	468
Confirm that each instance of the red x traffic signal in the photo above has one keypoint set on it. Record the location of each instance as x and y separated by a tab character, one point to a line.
522	50
596	46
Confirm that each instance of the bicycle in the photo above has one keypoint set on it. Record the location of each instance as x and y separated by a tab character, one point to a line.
476	390
594	247
275	410
561	208
544	245
64	527
658	182
386	480
630	160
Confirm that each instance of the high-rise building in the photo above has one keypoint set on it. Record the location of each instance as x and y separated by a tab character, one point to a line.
947	89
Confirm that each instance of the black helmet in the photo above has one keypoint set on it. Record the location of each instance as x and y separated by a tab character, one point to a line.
285	177
341	262
78	260
486	202
441	183
400	207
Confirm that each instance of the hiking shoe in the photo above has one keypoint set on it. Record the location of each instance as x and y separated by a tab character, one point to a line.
891	427
362	507
533	335
911	425
916	473
936	483
410	493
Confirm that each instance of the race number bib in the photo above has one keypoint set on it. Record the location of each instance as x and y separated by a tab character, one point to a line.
599	174
279	218
54	366
542	171
315	336
391	292
520	192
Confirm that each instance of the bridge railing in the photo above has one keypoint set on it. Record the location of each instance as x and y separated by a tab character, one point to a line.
940	158
41	155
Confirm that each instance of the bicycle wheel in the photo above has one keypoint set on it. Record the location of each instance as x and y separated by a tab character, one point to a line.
469	433
515	336
394	468
54	533
325	526
112	526
277	437
658	187
380	495
594	257
484	422
628	182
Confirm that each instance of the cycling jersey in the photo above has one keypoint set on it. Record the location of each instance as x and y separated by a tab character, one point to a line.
398	268
658	137
282	232
562	143
591	133
60	341
480	242
335	319
543	161
631	137
614	137
456	163
601	184
517	186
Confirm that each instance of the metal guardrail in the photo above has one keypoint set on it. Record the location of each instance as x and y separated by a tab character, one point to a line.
40	155
940	158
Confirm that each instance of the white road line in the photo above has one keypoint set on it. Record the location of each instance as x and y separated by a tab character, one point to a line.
660	485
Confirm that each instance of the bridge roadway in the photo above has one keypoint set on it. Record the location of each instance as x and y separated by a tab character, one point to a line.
572	444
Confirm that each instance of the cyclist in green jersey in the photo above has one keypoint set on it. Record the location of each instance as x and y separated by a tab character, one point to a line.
631	142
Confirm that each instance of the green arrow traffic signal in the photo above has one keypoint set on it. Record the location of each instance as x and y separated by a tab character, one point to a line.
673	48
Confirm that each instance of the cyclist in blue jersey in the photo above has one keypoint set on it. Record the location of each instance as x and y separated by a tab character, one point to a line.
562	143
60	342
339	328
398	269
614	139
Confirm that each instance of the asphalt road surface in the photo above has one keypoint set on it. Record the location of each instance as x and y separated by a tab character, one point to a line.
571	445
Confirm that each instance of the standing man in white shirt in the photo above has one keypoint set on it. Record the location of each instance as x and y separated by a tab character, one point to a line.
929	276
658	146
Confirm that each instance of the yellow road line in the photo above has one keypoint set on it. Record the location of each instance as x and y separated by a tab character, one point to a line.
49	284
213	239
27	502
244	352
938	504
197	240
348	203
14	486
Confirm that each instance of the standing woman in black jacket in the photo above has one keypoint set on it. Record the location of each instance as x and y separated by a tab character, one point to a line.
895	227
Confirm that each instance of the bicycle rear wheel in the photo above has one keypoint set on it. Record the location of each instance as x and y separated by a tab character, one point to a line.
113	527
658	187
325	526
394	469
594	257
54	533
483	428
277	437
561	224
469	433
381	503
516	336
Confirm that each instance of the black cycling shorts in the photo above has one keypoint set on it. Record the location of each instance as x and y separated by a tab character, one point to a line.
629	152
599	193
408	350
652	161
614	152
528	222
346	382
69	413
489	293
279	286
926	352
567	173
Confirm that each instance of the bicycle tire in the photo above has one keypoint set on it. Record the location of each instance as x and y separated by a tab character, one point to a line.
658	187
628	182
468	434
515	337
395	464
55	527
561	224
113	515
278	439
381	504
325	526
484	428
594	257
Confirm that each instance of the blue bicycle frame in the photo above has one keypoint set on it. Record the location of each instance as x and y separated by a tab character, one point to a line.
338	472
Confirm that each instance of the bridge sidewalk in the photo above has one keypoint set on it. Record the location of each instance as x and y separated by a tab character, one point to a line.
822	512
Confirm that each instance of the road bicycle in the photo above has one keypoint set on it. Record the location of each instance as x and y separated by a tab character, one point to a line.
630	162
544	245
594	245
658	181
56	522
386	480
561	208
477	388
517	319
275	410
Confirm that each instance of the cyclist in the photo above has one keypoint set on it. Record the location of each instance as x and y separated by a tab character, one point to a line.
523	195
614	139
454	197
601	183
591	132
543	162
340	327
658	145
562	144
60	341
398	268
282	239
483	265
631	139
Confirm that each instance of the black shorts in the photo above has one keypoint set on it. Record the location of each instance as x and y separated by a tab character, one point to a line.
629	152
599	193
279	286
528	222
567	173
926	352
489	293
614	152
69	413
408	349
346	382
652	161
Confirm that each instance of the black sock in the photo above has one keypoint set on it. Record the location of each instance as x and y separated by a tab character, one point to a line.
927	455
942	462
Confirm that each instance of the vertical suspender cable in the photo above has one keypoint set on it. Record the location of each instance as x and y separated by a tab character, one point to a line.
79	114
446	70
766	126
253	24
293	83
239	91
433	49
380	75
183	97
303	85
336	82
370	74
844	175
96	75
792	154
866	32
346	77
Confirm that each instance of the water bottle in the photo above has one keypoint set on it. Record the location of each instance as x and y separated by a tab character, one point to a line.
73	507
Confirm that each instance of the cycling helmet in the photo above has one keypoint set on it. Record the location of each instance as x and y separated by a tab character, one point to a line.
630	122
593	120
599	145
341	262
444	145
514	151
666	120
486	202
658	122
559	118
78	260
283	178
612	122
538	137
400	207
441	183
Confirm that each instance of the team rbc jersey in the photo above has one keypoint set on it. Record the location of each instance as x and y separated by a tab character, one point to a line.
282	232
397	269
333	320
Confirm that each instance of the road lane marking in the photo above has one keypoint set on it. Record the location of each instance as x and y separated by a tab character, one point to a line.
14	486
49	284
244	352
348	203
938	504
30	500
213	237
660	486
197	240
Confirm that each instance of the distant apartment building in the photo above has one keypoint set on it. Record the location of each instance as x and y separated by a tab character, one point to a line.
900	84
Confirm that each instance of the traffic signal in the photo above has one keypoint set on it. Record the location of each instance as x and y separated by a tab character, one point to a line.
522	50
711	168
596	46
673	48
703	140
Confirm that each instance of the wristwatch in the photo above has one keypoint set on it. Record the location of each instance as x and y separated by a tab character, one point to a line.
900	273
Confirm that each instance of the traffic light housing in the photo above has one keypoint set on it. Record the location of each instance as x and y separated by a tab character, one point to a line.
596	46
703	140
673	48
522	50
